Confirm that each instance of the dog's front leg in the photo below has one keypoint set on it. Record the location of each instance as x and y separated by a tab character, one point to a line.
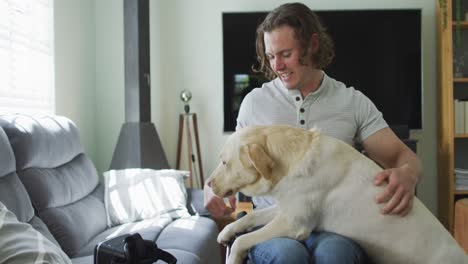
256	218
280	226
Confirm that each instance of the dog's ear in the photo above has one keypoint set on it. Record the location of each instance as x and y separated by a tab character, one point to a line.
261	160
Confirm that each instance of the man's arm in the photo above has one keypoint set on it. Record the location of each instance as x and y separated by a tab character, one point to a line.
403	169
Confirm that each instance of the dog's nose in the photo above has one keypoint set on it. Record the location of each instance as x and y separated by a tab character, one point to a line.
208	182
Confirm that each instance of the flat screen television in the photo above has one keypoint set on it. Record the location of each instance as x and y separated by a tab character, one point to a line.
377	52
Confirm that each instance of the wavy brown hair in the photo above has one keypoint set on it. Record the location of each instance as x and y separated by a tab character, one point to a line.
305	23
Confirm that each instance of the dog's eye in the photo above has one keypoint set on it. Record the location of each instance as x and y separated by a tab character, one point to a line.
224	162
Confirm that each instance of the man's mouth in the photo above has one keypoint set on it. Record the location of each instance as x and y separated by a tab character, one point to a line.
285	75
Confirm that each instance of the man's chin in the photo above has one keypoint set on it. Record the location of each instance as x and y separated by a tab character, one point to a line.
289	85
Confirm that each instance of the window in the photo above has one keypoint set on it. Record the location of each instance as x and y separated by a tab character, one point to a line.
26	57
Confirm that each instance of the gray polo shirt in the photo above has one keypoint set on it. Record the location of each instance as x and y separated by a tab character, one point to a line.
334	109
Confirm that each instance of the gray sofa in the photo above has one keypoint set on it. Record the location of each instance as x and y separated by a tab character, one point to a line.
48	181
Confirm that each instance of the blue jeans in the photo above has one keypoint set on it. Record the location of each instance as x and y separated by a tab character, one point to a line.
320	247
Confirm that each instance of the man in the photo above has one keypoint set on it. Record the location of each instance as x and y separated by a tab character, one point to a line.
293	48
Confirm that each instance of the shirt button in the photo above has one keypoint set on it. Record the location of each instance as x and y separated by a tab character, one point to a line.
302	110
298	98
302	122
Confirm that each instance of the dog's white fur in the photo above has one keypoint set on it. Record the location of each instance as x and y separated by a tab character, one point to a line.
321	183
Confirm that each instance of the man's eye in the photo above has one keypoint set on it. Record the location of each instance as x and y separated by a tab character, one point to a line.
287	54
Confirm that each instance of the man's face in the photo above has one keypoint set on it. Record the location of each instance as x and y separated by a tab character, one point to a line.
283	51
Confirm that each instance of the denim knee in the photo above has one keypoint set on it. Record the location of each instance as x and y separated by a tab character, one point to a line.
333	248
279	250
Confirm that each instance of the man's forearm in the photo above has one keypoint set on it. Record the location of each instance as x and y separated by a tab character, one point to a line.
410	162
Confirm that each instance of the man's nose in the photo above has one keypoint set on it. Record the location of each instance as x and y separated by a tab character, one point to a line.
278	64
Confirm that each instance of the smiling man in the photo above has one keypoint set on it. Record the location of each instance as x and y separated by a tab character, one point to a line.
293	48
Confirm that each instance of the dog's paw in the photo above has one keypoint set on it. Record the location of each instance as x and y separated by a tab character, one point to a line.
236	255
226	235
235	259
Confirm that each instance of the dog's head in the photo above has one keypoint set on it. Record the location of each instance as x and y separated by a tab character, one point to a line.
254	159
245	165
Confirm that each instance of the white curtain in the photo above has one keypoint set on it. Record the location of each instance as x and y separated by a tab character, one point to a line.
26	57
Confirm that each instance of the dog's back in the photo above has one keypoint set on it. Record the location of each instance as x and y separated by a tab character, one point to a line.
349	208
321	182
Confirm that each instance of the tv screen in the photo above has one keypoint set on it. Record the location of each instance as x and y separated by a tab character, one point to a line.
377	52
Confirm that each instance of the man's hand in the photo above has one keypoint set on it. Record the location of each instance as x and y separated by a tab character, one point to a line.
215	204
399	193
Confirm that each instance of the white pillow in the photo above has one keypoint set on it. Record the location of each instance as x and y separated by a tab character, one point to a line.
135	194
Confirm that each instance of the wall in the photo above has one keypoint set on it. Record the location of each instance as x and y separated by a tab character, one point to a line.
109	78
74	28
186	53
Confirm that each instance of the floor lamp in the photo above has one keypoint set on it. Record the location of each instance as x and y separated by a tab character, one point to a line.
188	123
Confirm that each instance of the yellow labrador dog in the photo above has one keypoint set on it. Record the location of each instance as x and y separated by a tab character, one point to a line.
321	183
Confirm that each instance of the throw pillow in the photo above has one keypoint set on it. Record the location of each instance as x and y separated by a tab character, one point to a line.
21	243
135	194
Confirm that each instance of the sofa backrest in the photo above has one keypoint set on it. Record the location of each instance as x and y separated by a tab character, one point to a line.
12	192
60	179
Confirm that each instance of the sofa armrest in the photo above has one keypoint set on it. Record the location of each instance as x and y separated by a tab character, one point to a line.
195	202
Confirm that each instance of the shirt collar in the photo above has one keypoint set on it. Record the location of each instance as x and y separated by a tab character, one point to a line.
295	92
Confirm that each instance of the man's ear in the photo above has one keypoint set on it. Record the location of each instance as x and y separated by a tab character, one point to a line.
260	160
314	43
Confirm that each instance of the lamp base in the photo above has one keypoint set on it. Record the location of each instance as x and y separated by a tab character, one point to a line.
139	147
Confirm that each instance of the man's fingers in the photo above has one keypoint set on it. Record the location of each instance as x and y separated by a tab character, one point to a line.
228	210
395	201
408	209
217	207
404	207
382	176
386	194
232	201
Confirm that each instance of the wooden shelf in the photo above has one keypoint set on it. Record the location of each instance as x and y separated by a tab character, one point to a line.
447	138
461	192
463	24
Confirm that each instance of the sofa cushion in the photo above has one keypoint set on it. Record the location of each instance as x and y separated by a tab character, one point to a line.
14	196
43	142
40	226
191	240
75	224
58	177
135	194
149	229
12	192
83	260
7	158
62	185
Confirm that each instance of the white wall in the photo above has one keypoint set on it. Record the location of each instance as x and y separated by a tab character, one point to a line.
110	113
74	28
186	53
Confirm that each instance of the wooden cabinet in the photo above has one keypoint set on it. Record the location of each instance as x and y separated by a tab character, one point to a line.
452	147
